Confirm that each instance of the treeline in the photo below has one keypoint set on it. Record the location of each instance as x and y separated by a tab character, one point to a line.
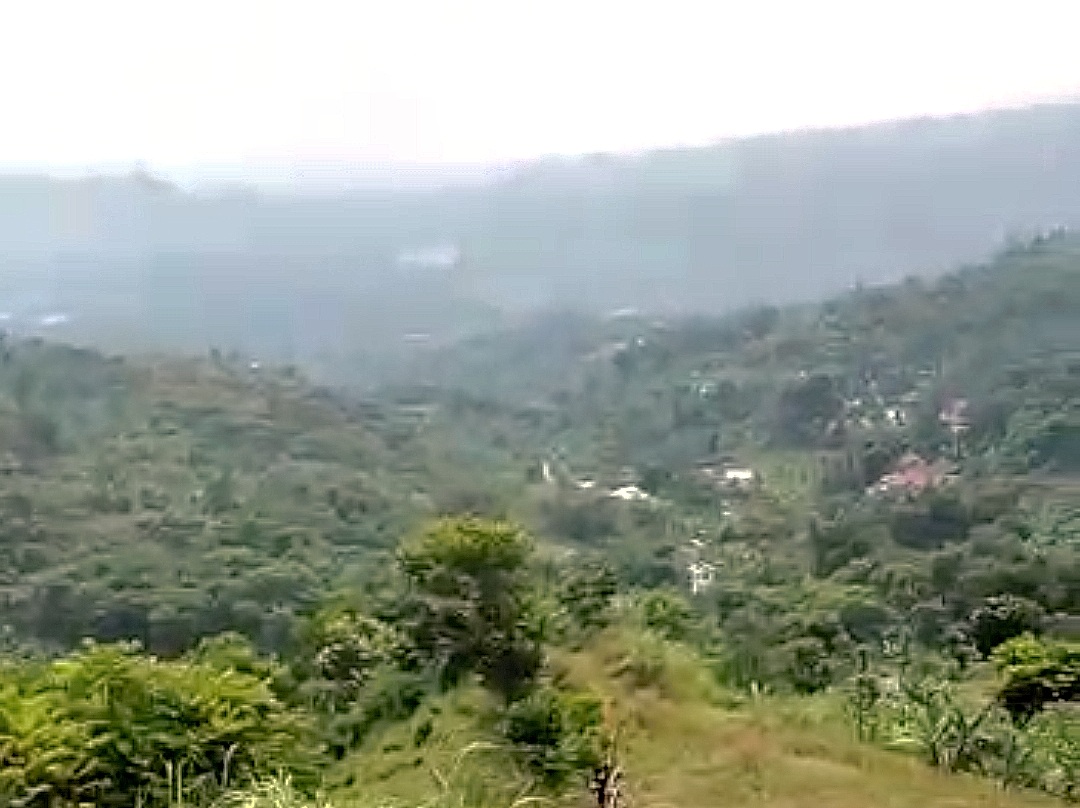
471	601
109	725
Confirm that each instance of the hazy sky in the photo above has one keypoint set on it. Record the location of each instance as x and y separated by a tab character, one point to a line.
466	80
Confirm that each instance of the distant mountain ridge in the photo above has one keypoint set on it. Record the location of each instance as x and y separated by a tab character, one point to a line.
769	219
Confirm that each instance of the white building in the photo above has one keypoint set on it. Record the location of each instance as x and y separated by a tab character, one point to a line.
702	575
630	493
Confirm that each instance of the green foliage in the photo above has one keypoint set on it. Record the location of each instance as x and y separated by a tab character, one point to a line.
470	609
1001	618
864	694
806	664
389	695
806	408
582	520
108	726
587	593
559	733
1037	673
467	545
345	651
668	613
947	732
920	711
173	500
930	522
1053	738
182	498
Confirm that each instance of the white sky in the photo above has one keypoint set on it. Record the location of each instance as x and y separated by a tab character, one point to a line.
200	81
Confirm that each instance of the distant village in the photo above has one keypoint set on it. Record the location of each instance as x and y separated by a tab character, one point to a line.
909	476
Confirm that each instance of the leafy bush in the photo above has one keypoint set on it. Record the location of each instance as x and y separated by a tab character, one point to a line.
391	694
806	664
1037	673
1054	737
667	613
946	731
558	733
347	648
925	714
1001	618
588	593
110	727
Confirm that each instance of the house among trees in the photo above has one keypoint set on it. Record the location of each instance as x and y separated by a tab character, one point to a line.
912	475
727	474
702	575
739	477
954	414
630	493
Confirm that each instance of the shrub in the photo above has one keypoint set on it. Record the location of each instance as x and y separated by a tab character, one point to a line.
558	733
588	593
110	727
806	664
347	649
926	715
1054	737
470	610
1001	618
668	614
390	695
1036	674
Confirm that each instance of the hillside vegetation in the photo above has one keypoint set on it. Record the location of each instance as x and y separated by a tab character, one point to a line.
168	499
821	555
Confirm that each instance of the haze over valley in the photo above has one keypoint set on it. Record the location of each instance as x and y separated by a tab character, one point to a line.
133	259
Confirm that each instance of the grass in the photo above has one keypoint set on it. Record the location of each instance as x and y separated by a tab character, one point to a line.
459	763
686	743
683	741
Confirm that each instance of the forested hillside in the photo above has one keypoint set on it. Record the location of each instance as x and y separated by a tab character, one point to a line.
792	553
167	499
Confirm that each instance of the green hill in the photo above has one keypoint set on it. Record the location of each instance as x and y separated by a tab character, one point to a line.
167	499
817	554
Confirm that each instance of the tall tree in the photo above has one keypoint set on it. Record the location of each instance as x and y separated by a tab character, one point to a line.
470	603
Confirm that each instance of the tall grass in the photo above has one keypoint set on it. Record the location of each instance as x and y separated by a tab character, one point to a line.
458	787
272	792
